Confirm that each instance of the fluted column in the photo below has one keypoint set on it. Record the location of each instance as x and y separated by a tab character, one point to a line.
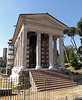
18	52
55	54
50	52
38	51
62	66
20	49
24	47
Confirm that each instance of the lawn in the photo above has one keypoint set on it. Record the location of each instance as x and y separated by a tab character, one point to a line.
75	71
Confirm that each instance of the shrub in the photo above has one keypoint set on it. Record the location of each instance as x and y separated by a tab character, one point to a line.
2	70
79	65
67	65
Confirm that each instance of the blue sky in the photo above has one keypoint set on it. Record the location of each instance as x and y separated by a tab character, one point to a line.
67	11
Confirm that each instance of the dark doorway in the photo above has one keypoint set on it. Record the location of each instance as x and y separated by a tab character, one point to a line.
32	52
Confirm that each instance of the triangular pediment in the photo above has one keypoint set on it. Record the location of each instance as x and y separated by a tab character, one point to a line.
39	21
46	21
44	18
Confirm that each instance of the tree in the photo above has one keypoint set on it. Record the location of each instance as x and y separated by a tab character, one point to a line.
71	32
66	56
79	26
58	60
79	31
73	59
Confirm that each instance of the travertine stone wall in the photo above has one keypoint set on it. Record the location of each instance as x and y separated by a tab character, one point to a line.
44	50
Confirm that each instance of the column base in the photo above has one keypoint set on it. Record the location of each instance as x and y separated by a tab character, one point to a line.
38	67
56	67
22	67
51	67
62	67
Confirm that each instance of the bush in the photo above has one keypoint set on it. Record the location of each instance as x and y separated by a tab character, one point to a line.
2	70
67	65
58	60
79	65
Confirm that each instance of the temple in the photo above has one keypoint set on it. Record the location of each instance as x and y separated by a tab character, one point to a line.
34	43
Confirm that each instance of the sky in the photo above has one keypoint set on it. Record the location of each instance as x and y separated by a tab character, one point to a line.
67	11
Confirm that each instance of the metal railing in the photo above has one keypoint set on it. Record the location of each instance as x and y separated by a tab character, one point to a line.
23	90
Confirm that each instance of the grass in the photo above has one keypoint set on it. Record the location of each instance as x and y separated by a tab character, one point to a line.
75	71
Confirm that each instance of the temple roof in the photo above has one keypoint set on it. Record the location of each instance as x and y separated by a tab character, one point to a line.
43	19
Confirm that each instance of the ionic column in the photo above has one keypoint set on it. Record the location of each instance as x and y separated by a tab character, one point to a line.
55	54
20	49
62	66
24	47
17	59
50	52
18	52
38	52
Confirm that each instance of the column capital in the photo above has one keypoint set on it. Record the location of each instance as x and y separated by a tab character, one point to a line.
61	35
50	34
55	39
25	28
38	32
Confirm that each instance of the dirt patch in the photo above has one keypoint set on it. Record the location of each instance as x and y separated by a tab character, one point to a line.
69	93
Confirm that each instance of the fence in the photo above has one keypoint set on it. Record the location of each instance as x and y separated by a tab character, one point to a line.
11	89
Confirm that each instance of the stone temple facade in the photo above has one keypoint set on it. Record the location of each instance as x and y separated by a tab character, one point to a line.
35	45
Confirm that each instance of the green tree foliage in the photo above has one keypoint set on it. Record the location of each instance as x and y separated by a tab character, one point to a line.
72	58
70	31
65	59
79	26
79	31
58	60
2	70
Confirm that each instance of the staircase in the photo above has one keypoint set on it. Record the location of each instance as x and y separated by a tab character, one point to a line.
45	80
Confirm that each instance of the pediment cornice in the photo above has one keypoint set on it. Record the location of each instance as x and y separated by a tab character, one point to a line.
43	20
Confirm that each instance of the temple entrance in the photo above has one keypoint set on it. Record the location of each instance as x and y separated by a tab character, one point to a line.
32	51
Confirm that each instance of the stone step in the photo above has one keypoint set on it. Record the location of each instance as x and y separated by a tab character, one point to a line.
53	82
47	73
51	79
54	88
58	71
50	74
55	85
